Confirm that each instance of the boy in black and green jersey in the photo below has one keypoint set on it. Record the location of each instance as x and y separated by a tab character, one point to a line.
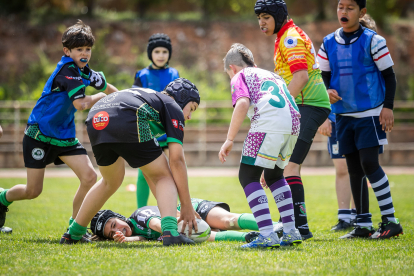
50	135
145	223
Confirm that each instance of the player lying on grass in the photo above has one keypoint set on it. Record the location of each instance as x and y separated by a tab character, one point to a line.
121	128
274	117
145	223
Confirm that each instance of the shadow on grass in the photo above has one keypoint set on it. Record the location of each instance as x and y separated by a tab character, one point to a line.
42	241
142	245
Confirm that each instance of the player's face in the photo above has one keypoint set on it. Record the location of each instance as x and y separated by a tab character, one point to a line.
80	55
349	14
266	23
189	109
114	225
160	56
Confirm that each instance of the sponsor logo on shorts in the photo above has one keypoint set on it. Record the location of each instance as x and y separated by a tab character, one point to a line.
175	123
156	142
100	120
110	97
290	42
204	209
280	197
335	149
38	153
262	199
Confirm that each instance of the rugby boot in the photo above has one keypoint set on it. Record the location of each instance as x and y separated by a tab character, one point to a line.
292	238
6	230
308	236
251	236
359	232
270	242
388	229
341	225
168	239
67	240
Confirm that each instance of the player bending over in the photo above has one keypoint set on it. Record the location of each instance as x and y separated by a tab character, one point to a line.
274	117
120	128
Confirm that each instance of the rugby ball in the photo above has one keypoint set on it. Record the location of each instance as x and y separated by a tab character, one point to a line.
203	233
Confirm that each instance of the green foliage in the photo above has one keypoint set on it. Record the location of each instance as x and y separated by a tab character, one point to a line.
38	224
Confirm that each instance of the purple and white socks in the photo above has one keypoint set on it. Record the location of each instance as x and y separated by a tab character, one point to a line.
283	198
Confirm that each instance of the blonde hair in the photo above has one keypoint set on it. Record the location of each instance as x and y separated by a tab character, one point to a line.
238	55
368	22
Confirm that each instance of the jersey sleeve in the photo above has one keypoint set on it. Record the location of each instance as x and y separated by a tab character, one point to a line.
323	59
239	88
143	216
380	53
173	122
69	80
98	80
294	51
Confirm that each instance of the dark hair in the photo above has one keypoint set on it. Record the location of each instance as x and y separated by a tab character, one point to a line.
361	3
78	35
368	22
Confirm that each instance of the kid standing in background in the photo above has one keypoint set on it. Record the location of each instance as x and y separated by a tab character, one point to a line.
362	89
264	97
156	77
295	61
50	135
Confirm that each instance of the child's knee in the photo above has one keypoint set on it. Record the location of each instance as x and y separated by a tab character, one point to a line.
230	222
33	193
89	179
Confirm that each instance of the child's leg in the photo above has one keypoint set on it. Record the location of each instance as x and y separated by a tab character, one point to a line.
379	181
359	189
143	190
31	190
249	177
112	177
343	189
82	167
282	195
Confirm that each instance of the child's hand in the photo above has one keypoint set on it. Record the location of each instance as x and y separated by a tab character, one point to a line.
263	181
386	119
119	237
225	150
333	96
326	128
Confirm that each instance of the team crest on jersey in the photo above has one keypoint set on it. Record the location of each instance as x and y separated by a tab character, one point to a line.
100	120
290	42
262	199
38	153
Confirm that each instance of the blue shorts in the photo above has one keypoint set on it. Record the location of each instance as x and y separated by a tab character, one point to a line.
333	144
354	134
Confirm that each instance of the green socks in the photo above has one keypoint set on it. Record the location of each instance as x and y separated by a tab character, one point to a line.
170	224
230	236
247	221
143	190
77	231
3	199
70	221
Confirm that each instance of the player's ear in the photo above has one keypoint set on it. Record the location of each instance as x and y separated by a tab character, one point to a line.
66	51
233	68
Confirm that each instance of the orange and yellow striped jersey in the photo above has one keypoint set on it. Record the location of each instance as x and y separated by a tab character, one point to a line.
294	52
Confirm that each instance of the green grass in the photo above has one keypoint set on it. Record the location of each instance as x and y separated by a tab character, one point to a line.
33	247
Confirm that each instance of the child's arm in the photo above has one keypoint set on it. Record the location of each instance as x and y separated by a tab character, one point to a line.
88	101
119	237
239	113
299	80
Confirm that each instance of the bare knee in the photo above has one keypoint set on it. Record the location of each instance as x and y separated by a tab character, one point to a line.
230	222
89	179
33	193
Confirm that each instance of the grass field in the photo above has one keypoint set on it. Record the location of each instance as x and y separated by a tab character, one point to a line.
33	248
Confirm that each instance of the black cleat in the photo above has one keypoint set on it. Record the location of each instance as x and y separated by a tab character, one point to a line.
251	236
359	232
6	230
3	211
168	239
308	236
67	239
341	226
388	229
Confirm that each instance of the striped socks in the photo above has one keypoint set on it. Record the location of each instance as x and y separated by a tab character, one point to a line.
345	215
257	199
283	198
364	220
381	187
